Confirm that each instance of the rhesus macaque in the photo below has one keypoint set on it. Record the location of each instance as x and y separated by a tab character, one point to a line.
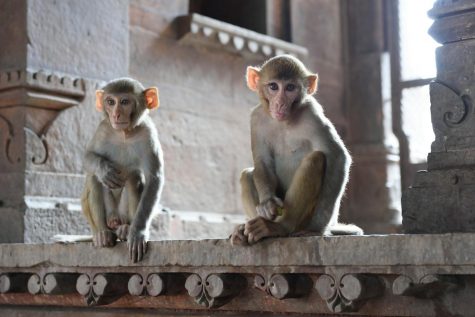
124	164
301	165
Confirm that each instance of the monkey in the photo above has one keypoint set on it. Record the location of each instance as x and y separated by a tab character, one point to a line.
124	165
301	166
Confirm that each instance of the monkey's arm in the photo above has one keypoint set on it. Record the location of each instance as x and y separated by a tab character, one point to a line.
139	228
264	176
336	177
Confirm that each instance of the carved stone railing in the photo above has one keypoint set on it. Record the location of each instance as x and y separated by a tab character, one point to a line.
201	30
404	275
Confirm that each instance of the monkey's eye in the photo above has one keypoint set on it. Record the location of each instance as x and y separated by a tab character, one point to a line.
290	87
110	102
273	86
125	102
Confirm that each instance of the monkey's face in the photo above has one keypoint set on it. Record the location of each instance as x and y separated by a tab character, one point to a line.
119	109
281	95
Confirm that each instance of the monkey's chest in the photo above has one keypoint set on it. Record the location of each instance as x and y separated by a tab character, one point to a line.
287	158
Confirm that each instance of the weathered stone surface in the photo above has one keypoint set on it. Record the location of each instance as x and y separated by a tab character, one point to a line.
85	38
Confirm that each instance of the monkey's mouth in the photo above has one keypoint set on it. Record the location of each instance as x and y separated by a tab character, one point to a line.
280	115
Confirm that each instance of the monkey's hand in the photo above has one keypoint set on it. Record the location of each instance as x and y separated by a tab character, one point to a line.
269	209
137	244
104	238
109	175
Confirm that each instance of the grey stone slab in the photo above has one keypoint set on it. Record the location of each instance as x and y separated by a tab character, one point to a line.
435	249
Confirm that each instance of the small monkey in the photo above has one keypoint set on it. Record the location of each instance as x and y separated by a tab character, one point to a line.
301	165
124	164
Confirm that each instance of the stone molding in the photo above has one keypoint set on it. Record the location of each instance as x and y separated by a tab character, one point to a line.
41	95
367	275
201	30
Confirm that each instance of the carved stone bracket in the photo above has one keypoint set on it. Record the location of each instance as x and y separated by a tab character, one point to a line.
216	290
282	286
202	30
41	96
350	292
429	286
156	284
14	282
102	289
52	283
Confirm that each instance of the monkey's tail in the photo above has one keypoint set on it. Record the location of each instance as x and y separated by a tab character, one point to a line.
71	238
341	229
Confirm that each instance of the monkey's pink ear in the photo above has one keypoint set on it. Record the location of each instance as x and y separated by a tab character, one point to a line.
151	98
312	82
252	78
99	95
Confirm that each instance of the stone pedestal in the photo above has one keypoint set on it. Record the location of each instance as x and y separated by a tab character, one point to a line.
442	199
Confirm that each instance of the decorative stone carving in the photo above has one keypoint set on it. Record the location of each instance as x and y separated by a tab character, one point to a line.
350	292
14	282
198	29
429	286
102	289
447	187
216	290
156	284
282	286
41	96
52	283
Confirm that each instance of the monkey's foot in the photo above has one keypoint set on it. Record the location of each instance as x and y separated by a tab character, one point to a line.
104	238
260	228
238	237
122	232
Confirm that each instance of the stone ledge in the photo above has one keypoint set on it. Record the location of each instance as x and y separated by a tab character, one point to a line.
411	275
201	30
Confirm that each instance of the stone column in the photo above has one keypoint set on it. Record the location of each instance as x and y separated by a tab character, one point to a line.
53	53
442	199
374	190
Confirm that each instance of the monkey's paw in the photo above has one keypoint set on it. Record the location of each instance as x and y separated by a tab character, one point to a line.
104	238
238	237
122	232
137	244
260	228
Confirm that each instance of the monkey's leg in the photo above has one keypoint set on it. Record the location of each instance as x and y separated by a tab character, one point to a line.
129	202
93	207
302	196
111	206
249	201
257	227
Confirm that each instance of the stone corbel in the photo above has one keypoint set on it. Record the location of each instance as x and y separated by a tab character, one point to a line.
216	289
14	282
350	292
429	286
282	286
52	283
196	29
156	284
102	289
41	96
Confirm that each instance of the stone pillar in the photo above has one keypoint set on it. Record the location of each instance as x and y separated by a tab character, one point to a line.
374	190
442	199
50	51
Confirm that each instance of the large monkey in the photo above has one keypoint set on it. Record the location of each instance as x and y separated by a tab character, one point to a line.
301	165
124	164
